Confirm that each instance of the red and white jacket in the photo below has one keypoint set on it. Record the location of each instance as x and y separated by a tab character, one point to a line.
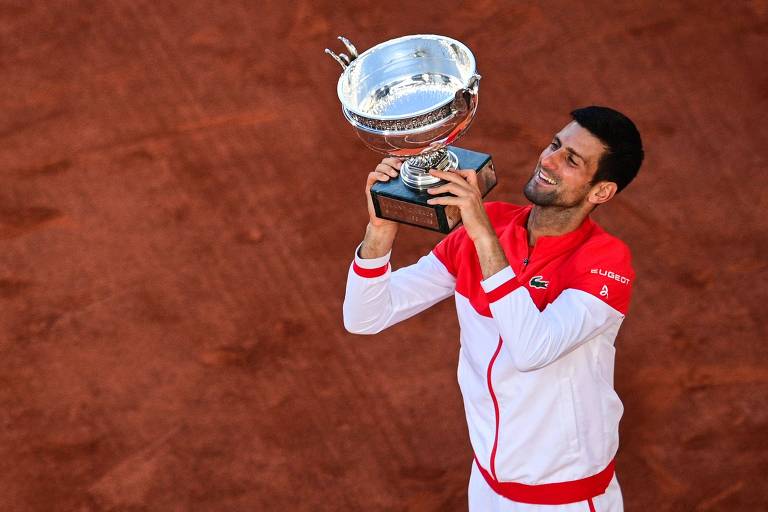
537	343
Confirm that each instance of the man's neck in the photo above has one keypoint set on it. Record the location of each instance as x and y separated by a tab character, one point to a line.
553	221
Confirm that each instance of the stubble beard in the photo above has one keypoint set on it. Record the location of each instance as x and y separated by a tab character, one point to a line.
540	197
552	198
537	197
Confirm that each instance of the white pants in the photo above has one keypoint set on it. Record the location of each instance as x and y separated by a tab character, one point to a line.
483	499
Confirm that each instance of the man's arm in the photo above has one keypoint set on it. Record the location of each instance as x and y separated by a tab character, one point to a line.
466	195
533	338
380	233
375	296
378	241
596	297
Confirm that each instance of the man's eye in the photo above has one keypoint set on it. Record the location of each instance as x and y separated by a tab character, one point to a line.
553	144
571	160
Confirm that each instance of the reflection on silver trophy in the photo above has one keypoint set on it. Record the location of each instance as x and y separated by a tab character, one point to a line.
411	97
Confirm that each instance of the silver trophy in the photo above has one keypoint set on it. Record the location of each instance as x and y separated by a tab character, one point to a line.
412	97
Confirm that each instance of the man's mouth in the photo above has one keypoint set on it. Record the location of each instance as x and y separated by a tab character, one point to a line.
544	178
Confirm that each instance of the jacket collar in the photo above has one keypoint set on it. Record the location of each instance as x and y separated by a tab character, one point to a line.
549	244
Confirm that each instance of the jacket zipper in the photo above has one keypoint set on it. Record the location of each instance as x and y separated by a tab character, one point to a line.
495	410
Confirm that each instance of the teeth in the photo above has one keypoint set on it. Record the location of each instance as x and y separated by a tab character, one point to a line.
548	180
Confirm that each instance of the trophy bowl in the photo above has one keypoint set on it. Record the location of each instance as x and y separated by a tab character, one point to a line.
410	97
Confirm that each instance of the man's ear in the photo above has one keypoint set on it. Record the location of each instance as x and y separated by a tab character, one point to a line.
602	192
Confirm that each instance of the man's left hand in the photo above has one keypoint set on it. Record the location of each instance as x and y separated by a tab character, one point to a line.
463	185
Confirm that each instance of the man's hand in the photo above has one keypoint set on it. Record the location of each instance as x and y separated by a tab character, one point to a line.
388	168
463	185
380	234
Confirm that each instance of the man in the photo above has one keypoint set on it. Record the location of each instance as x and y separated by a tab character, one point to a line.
541	292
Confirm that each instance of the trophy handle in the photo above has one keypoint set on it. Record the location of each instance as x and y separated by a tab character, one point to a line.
464	98
342	58
350	47
338	58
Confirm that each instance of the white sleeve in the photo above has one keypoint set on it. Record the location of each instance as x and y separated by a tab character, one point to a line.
377	298
536	338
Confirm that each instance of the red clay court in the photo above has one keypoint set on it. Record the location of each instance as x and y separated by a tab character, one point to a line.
180	201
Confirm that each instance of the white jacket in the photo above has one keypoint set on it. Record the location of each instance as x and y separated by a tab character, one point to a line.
537	341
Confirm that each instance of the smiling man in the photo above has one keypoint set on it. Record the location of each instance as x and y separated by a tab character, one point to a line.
540	292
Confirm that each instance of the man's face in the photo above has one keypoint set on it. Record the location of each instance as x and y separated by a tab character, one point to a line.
565	168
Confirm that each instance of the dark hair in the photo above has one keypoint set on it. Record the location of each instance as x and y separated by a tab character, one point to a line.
624	149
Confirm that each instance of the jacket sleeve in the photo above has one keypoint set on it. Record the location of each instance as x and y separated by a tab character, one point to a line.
536	338
377	298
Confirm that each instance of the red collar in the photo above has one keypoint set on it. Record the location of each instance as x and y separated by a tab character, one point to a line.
517	231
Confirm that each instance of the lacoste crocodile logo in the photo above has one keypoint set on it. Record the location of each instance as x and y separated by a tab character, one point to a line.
538	282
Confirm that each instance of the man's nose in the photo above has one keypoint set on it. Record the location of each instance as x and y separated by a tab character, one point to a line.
550	161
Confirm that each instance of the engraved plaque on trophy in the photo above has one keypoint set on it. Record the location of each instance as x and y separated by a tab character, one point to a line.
411	97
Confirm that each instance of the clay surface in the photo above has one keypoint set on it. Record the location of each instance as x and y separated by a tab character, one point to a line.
180	198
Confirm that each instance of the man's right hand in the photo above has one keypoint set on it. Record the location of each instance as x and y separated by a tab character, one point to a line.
389	168
381	232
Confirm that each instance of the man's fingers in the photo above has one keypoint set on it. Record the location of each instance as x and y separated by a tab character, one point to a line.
375	176
452	188
387	169
456	176
445	200
447	176
393	162
468	174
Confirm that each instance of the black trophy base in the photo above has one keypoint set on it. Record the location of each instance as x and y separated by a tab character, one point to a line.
393	200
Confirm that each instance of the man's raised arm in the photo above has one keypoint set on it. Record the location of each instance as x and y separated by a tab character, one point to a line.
375	296
536	338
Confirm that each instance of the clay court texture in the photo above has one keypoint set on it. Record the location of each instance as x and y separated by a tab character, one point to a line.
180	202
